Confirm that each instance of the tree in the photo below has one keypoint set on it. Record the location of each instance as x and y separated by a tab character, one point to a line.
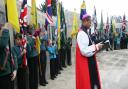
43	7
53	5
54	8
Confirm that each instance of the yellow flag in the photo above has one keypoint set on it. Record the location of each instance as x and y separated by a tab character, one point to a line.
34	22
12	14
38	43
113	25
83	6
58	18
75	26
34	14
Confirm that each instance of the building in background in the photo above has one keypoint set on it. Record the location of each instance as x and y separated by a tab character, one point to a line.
2	12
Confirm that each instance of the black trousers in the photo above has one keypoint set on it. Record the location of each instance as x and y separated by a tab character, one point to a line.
57	64
6	83
59	60
122	45
69	56
23	78
33	72
63	57
52	68
43	62
93	73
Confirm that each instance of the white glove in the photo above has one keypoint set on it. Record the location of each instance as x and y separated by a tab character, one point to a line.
14	75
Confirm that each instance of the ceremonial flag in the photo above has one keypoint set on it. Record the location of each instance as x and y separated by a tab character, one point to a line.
62	16
101	23
23	14
12	14
112	29
59	24
114	25
38	43
63	26
107	25
48	14
75	25
34	14
124	23
94	19
83	10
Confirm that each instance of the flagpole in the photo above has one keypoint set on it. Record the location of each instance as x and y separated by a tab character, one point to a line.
5	1
50	32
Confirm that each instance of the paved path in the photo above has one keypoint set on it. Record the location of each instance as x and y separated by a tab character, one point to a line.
113	67
65	80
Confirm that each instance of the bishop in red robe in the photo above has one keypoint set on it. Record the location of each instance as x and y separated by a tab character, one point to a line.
87	74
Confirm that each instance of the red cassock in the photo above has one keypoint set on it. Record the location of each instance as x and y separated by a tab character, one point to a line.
83	80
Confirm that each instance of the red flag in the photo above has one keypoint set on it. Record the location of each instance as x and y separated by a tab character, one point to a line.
49	13
23	24
23	14
124	23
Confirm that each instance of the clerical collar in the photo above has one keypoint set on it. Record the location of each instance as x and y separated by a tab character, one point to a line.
84	29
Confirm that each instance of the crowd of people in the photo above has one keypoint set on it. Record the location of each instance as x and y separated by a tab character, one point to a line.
119	40
25	63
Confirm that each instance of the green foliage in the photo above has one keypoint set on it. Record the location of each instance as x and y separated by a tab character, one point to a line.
54	8
53	5
43	7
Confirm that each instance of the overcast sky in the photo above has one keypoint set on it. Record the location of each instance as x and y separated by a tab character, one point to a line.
112	7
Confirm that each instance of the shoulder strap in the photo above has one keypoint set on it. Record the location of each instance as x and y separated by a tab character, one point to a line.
5	60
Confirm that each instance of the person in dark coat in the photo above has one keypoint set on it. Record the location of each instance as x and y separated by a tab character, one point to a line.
43	58
8	61
69	44
52	55
23	72
32	60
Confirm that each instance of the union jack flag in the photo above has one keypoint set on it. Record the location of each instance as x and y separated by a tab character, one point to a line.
23	25
23	14
49	19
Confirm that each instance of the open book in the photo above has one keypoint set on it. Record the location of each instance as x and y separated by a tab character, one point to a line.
106	44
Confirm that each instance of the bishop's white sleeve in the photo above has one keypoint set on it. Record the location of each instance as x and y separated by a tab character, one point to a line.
83	42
